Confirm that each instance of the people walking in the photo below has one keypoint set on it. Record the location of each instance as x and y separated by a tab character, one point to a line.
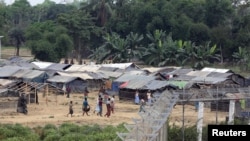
68	90
137	100
71	111
97	109
100	107
85	107
112	104
149	97
108	108
142	105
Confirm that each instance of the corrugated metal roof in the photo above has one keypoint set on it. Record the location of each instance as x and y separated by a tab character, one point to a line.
110	73
183	78
42	65
156	84
8	71
159	69
61	79
127	77
198	73
138	82
97	75
215	70
181	71
84	76
208	80
135	72
110	69
218	74
57	66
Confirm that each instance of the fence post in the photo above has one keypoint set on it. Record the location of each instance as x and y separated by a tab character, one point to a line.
200	120
231	112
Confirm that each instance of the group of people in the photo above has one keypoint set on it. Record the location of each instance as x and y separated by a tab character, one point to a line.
142	102
103	98
106	99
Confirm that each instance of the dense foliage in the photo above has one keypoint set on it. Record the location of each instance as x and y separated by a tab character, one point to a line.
73	132
65	132
159	33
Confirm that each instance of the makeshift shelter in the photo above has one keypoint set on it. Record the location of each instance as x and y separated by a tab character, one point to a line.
142	83
7	71
31	76
94	81
76	84
8	101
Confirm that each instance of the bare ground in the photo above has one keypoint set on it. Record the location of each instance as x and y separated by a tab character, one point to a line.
55	110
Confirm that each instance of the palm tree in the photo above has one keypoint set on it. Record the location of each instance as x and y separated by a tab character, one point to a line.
242	57
154	52
115	48
204	54
134	41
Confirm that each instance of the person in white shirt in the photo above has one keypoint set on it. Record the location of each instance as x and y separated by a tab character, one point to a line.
112	103
149	97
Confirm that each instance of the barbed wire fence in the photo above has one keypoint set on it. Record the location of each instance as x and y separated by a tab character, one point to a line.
217	103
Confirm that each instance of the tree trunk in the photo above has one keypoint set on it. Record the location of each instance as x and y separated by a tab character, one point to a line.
17	50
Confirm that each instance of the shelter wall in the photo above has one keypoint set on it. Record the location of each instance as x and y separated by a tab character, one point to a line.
8	104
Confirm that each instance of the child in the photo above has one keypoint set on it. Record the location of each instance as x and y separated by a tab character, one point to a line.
71	111
85	107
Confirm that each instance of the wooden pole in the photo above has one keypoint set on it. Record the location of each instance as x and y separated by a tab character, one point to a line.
26	92
47	93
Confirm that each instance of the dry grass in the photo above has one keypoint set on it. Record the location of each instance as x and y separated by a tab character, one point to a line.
8	52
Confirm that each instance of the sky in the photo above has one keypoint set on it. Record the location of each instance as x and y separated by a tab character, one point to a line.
32	2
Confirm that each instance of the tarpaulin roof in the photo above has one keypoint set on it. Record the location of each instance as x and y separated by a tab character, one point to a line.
159	69
4	82
127	77
61	79
42	65
89	68
84	76
110	73
120	65
179	84
73	68
216	70
33	74
209	80
8	71
198	73
218	74
20	73
57	66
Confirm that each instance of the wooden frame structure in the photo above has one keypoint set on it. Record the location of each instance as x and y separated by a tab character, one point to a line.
31	88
